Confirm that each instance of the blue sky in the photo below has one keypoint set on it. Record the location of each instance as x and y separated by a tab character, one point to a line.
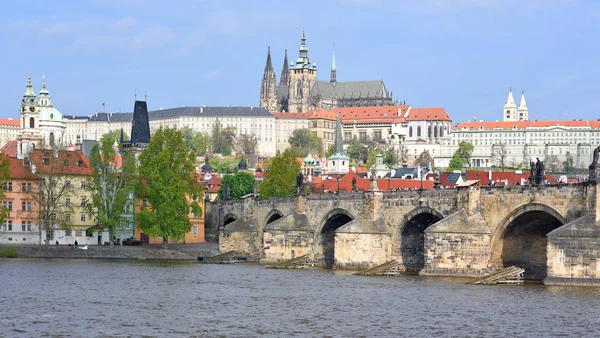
462	55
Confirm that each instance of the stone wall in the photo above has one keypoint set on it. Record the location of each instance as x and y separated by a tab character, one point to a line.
240	241
456	254
284	245
211	221
357	251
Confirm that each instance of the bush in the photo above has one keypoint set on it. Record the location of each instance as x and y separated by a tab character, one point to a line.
9	252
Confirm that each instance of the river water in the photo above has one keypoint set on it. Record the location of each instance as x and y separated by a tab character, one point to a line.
60	297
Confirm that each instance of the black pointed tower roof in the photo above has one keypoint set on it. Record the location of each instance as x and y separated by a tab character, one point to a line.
140	126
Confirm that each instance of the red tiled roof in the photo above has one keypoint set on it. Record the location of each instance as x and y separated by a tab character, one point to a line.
10	122
500	177
364	184
427	114
68	162
10	148
214	189
377	114
18	171
526	124
310	114
215	179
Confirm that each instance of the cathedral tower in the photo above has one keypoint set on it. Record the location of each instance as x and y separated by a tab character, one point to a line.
29	137
284	80
333	77
510	108
303	76
268	97
523	111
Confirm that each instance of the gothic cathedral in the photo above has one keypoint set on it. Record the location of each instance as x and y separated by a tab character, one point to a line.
299	90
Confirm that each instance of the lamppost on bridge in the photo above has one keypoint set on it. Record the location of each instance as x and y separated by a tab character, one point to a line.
421	175
389	183
338	184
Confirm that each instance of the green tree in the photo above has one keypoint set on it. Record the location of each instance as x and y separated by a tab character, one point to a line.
111	185
241	184
280	175
390	155
456	162
357	150
115	135
167	169
330	150
224	165
306	142
372	158
465	150
4	178
247	144
222	139
568	163
198	142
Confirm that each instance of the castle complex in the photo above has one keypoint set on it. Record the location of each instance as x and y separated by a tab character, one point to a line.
299	89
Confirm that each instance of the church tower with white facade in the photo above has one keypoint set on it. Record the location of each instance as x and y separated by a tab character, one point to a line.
510	108
29	136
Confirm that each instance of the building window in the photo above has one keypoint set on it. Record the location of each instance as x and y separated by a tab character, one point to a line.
67	217
8	225
68	184
7	205
25	206
83	202
26	187
83	217
28	225
23	226
68	201
68	232
314	124
83	184
410	131
418	131
195	230
8	186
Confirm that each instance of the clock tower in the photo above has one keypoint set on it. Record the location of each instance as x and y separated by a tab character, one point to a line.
29	121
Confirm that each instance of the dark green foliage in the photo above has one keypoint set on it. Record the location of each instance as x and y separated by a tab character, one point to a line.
222	139
306	142
198	142
241	184
169	183
280	175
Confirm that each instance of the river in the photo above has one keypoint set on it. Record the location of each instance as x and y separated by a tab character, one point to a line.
78	297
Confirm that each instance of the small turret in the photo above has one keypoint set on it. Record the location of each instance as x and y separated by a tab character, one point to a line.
523	111
510	108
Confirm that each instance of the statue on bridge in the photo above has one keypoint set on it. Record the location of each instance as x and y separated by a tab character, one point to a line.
537	173
299	183
594	166
354	184
227	194
532	172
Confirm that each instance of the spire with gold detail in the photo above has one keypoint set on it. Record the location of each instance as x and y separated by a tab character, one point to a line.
29	96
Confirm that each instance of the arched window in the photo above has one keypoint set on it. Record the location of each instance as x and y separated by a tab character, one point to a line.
442	131
410	131
418	131
24	123
31	122
429	131
51	139
435	131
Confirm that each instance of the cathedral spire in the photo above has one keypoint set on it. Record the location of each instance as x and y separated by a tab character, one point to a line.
333	78
267	88
284	79
523	111
338	146
303	58
510	108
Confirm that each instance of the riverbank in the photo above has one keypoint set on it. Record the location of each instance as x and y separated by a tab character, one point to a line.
152	252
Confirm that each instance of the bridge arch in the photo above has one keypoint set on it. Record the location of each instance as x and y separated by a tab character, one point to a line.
520	238
334	219
227	219
412	236
272	216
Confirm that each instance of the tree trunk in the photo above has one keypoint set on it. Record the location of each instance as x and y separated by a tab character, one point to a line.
111	236
165	243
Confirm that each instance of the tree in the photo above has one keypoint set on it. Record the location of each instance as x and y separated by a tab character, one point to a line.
169	183
499	154
330	150
456	162
52	189
390	155
552	163
357	150
198	142
424	159
372	158
568	163
4	178
241	184
111	184
306	142
465	150
224	165
115	136
222	139
247	144
280	175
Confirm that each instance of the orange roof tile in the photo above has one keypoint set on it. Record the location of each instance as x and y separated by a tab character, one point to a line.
502	177
18	171
377	114
68	162
364	184
10	148
10	122
428	114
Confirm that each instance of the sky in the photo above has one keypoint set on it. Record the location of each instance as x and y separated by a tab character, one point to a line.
462	55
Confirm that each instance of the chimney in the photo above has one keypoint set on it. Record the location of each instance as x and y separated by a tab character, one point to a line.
490	175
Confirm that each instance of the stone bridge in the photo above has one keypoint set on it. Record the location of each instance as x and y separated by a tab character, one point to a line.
551	231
